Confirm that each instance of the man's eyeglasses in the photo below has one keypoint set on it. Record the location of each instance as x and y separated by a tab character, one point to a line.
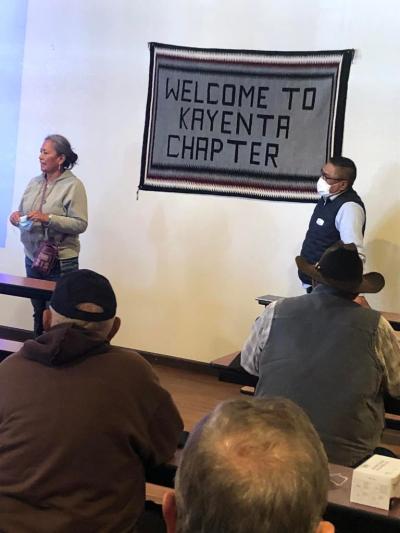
326	178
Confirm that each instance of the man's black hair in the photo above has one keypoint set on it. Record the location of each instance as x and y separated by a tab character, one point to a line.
347	164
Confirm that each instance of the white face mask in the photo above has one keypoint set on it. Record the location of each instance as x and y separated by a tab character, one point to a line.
25	223
323	188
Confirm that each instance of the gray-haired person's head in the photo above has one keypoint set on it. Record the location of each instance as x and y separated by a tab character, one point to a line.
63	147
253	466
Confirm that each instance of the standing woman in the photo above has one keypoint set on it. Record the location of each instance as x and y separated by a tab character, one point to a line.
53	208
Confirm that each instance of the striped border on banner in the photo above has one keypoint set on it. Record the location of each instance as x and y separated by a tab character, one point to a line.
221	180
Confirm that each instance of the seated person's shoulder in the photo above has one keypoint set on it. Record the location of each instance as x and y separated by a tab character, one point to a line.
128	366
130	359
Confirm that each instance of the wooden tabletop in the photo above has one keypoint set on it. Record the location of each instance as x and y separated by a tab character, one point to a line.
26	287
393	318
339	493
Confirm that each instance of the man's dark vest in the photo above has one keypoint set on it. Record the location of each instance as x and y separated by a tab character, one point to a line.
320	354
320	237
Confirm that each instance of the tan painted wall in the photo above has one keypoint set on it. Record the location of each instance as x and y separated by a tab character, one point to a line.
186	268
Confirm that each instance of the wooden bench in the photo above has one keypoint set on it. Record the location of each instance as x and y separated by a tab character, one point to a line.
392	318
230	370
26	287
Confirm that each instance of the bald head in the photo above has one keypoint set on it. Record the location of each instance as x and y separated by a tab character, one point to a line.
252	465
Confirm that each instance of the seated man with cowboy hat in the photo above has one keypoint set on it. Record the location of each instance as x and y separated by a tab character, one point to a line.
330	355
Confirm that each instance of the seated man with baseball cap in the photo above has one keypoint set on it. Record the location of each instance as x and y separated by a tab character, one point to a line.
329	355
80	420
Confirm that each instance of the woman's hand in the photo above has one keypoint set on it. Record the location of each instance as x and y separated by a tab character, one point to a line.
38	216
14	218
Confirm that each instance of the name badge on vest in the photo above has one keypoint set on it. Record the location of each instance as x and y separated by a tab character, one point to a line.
320	222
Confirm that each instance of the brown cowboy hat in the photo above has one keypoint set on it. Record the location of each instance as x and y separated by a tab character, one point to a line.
340	266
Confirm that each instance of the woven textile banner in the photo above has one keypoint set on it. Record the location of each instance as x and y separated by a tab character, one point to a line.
242	123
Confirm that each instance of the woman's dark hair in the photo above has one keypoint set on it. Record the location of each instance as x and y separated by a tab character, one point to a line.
63	147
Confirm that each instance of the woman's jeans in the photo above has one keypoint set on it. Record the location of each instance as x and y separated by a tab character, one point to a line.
63	266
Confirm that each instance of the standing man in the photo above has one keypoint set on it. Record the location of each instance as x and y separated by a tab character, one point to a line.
80	420
338	215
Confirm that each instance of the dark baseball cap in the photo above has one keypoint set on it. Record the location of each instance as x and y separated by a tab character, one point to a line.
84	286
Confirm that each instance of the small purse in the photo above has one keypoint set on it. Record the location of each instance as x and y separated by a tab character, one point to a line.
47	254
46	257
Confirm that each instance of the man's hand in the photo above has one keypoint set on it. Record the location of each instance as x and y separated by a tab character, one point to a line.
38	216
361	300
